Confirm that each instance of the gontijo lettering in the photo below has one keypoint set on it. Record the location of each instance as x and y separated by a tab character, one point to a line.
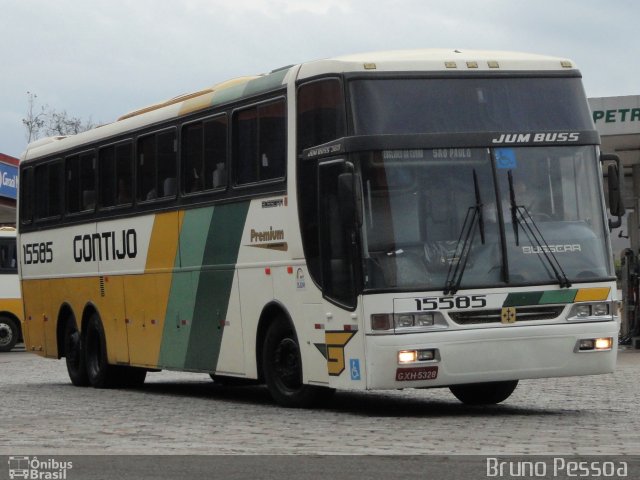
105	246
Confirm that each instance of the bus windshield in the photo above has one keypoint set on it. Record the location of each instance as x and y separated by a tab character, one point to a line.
528	215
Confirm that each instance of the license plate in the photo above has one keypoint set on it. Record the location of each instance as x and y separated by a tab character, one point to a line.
416	374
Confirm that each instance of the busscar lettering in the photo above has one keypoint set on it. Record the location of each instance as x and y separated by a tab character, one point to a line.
531	249
105	246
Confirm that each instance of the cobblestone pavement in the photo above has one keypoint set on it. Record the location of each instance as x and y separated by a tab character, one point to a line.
181	413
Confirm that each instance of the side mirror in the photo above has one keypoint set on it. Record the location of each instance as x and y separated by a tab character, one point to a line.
614	184
350	198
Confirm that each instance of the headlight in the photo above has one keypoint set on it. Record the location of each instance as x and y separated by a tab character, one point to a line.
407	322
590	312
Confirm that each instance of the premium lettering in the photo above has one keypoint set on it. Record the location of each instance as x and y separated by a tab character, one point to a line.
266	235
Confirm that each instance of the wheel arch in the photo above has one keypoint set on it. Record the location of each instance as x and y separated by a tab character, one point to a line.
270	312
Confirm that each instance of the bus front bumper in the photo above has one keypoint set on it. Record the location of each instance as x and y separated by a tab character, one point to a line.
489	355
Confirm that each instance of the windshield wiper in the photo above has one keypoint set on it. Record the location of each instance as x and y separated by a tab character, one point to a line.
521	216
473	222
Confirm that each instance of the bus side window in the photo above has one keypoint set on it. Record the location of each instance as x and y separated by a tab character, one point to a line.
116	174
260	138
204	155
157	164
49	189
321	114
26	196
80	182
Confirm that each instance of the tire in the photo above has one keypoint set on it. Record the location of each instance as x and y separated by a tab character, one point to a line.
282	368
484	393
9	333
74	354
99	373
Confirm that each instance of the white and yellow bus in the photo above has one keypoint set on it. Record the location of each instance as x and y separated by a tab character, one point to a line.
11	311
427	218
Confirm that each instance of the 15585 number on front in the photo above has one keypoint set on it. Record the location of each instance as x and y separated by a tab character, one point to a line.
448	303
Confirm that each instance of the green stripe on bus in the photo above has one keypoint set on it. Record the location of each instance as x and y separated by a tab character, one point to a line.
547	297
252	87
214	285
558	296
184	285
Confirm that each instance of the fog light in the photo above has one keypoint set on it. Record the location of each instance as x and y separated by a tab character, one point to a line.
424	355
586	344
407	356
603	343
595	344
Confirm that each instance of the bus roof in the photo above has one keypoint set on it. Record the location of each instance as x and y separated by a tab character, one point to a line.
425	60
433	60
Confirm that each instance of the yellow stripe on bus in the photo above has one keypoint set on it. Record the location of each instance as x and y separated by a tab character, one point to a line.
592	294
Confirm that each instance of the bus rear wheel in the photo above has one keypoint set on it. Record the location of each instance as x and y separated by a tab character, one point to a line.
488	393
99	372
9	333
282	368
74	355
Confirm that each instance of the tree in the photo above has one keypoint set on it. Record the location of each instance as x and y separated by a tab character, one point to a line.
48	121
34	122
61	123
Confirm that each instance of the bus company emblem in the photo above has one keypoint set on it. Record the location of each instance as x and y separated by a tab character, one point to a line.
508	315
333	350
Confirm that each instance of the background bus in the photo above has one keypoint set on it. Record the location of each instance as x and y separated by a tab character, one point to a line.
389	220
11	312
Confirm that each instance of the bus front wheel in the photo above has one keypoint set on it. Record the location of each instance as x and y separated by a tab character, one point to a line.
9	333
484	393
282	367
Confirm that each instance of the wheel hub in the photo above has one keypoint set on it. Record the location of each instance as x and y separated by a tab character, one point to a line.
287	363
6	335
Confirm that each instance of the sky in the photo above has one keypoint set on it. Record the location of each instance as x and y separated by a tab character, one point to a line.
98	59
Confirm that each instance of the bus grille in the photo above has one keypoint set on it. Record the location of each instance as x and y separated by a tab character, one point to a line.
523	314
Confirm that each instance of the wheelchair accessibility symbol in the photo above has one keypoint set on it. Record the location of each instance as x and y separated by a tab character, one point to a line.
354	366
